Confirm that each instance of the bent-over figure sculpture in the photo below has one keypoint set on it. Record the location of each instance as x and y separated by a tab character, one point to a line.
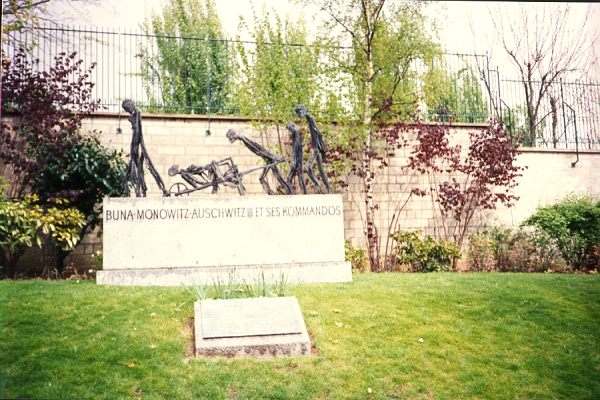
138	154
271	161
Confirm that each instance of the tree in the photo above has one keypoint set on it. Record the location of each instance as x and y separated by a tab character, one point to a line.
191	61
462	184
48	107
455	97
277	72
544	45
19	14
24	15
386	39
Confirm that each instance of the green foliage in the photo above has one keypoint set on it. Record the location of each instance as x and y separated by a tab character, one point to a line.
280	71
234	289
24	223
424	254
516	123
574	223
86	172
401	40
455	97
356	256
505	250
192	71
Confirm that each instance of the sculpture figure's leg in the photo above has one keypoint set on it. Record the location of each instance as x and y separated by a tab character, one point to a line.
313	179
322	172
282	182
290	179
217	176
264	181
241	188
311	175
301	180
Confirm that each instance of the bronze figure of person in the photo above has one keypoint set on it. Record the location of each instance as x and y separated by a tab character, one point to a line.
318	149
138	155
296	169
210	175
271	160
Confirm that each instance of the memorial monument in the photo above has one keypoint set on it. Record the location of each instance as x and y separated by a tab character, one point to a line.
187	237
190	237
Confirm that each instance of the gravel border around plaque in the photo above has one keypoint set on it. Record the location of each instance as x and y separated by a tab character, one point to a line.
255	327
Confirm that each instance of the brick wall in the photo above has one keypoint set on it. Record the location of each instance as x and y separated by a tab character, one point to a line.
183	140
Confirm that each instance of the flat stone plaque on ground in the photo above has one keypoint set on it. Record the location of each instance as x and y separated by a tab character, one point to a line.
264	326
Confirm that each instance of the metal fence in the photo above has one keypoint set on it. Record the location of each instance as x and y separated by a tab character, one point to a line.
127	64
568	114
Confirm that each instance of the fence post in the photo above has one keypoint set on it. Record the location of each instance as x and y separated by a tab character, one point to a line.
562	100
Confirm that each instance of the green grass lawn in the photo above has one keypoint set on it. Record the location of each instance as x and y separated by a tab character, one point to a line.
484	336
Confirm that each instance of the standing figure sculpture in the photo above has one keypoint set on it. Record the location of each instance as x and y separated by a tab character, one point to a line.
271	161
296	169
318	150
138	155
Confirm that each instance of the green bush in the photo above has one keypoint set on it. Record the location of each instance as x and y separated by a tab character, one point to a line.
24	223
356	256
505	250
86	173
480	253
574	223
424	254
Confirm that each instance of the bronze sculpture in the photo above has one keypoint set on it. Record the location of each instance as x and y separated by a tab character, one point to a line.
271	161
296	169
209	175
225	172
319	149
138	154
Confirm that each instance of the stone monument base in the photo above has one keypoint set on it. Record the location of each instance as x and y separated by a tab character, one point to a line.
195	276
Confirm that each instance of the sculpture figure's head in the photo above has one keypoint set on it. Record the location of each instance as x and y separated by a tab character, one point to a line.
293	129
232	135
129	106
301	111
173	170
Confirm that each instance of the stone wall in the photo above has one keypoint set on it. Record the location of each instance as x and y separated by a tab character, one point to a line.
183	140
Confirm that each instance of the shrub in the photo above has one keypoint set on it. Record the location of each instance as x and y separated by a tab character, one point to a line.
24	223
85	173
574	224
424	254
356	256
505	250
464	183
480	254
48	106
43	147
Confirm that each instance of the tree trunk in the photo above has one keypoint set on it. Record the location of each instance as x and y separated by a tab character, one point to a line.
554	111
372	235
